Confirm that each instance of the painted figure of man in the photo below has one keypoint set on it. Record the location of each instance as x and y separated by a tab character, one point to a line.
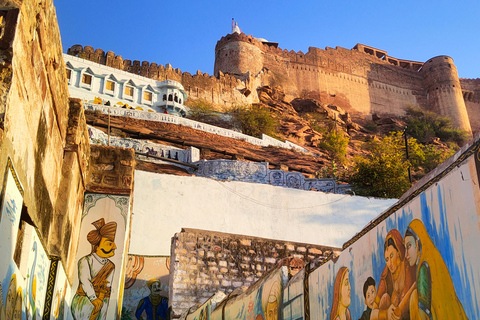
95	274
154	305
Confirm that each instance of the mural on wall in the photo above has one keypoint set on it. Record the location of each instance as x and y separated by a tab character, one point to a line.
202	313
205	311
37	274
61	293
262	301
100	257
420	262
11	283
146	287
293	297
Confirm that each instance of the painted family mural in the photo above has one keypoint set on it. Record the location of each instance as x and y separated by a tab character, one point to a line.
104	223
146	288
419	261
262	301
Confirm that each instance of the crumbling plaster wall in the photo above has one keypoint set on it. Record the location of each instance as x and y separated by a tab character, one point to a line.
45	137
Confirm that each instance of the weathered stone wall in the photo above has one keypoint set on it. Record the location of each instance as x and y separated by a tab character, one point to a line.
44	155
41	133
204	262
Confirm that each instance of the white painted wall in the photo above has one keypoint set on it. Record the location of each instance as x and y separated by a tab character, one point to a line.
163	204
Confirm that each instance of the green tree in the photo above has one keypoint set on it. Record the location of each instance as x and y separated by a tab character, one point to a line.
202	111
254	120
384	173
425	125
336	146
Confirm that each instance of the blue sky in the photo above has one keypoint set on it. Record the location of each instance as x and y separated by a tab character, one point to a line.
184	33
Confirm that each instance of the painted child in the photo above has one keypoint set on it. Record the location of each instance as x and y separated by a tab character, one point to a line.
369	292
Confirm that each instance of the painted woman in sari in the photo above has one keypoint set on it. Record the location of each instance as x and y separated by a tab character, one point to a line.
341	296
434	296
396	281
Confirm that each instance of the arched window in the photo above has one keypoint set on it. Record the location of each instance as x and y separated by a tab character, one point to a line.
170	97
176	98
180	101
164	97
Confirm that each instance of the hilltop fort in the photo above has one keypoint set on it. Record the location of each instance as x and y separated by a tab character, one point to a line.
362	80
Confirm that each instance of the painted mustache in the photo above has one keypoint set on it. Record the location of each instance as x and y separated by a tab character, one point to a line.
107	252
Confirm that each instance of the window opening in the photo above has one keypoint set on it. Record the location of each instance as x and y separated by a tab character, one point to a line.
110	85
147	96
129	91
87	79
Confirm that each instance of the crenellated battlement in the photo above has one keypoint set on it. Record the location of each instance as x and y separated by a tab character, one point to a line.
314	54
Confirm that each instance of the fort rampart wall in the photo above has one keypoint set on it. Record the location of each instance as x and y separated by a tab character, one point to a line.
365	79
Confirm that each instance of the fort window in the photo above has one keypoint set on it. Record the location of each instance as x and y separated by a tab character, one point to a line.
175	99
147	96
381	55
87	79
110	85
180	101
129	91
69	74
369	51
170	97
164	97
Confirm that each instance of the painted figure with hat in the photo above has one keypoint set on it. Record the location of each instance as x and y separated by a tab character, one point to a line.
154	306
95	274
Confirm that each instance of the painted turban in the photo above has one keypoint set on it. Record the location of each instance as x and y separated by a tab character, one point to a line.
151	282
102	230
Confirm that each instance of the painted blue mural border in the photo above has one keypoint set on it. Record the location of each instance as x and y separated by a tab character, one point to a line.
52	276
121	202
